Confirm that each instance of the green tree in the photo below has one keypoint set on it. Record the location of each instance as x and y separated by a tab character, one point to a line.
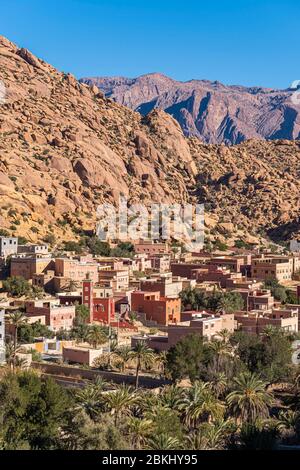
73	246
90	400
82	314
211	436
80	332
121	401
32	411
192	298
249	399
123	354
143	356
16	286
185	358
200	405
230	302
16	319
72	286
139	430
27	332
123	250
268	354
165	421
98	247
163	442
220	350
171	397
95	336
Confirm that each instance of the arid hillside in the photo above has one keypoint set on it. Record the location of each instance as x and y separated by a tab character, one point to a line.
65	148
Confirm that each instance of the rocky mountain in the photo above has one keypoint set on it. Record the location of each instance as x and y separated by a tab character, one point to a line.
65	148
213	112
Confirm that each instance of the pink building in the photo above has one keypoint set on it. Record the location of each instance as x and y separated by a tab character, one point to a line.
204	324
80	355
99	301
166	285
57	316
76	269
255	321
160	263
117	279
151	248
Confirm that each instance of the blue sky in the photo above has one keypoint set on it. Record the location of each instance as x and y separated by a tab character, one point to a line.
245	42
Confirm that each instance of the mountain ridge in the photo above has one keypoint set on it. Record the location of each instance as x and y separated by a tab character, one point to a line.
209	110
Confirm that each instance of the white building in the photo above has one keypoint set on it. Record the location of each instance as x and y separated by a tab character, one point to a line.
8	246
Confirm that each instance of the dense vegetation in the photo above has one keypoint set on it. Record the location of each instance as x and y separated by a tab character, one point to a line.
243	392
217	300
99	248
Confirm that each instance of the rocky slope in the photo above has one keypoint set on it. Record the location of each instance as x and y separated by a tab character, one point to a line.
65	148
252	188
209	110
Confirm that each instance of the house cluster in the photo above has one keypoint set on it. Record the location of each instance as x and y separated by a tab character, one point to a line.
244	274
149	284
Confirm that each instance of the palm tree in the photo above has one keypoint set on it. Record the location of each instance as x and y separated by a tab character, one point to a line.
218	383
288	423
123	353
121	401
249	400
163	442
90	400
11	354
224	305
139	429
101	384
162	360
270	331
224	335
72	286
21	363
148	401
16	319
133	316
143	356
80	332
200	405
171	397
210	436
220	349
95	336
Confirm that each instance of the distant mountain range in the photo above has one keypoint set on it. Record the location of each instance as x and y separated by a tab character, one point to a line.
211	111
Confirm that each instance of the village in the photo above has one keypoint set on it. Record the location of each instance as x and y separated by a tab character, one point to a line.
63	309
